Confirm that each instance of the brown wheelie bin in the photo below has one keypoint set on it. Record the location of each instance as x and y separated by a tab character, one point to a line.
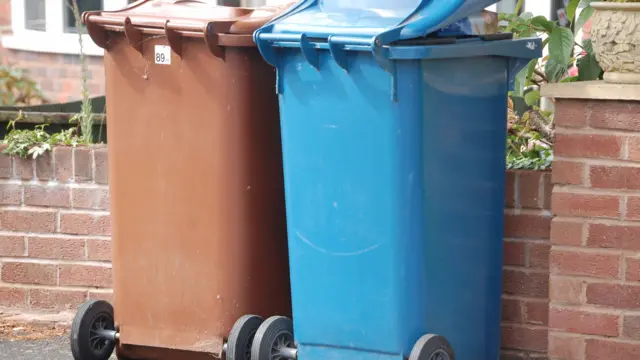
197	193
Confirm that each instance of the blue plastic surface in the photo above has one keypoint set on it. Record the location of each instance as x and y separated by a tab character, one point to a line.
394	203
388	20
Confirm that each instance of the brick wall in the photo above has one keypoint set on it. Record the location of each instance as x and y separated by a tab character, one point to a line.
54	230
595	259
55	247
526	265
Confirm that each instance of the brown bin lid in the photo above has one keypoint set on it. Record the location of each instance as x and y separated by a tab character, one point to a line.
219	25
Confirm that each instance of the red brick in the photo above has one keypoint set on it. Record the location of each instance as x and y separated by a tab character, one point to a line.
531	184
99	250
525	283
591	146
6	166
85	224
539	255
56	248
633	269
13	297
56	299
63	160
102	165
614	295
28	273
44	167
524	337
106	296
614	236
512	310
23	168
12	246
28	220
514	253
510	188
565	232
536	312
90	198
631	327
89	276
527	226
615	177
565	290
567	172
583	322
611	350
616	115
547	191
634	148
567	262
572	204
10	194
83	160
572	113
57	196
633	208
566	347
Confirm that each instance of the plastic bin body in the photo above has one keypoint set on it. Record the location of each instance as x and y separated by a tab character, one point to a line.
394	178
197	195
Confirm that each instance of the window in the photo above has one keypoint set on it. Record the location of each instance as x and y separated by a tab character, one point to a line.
83	5
35	17
49	25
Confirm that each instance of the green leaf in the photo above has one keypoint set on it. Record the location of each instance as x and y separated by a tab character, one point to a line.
561	45
589	68
554	71
519	83
588	46
532	97
584	16
526	15
571	9
542	22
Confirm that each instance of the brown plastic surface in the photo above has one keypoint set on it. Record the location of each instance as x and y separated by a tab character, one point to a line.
197	194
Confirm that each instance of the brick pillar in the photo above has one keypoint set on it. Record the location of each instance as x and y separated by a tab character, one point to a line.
594	311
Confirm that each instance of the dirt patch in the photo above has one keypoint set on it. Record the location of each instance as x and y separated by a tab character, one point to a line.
14	331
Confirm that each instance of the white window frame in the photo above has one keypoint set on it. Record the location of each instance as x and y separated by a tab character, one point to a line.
54	39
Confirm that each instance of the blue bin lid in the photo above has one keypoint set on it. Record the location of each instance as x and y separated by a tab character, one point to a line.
386	21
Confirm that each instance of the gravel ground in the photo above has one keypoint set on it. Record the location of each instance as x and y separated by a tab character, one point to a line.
49	349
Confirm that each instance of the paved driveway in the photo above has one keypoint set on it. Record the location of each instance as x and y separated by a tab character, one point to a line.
50	349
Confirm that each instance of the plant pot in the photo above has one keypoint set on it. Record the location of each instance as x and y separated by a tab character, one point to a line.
615	34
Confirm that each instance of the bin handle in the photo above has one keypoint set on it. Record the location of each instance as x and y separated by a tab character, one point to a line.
133	35
98	34
211	34
174	39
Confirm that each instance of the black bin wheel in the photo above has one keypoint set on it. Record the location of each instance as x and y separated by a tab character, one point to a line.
91	318
241	337
432	347
274	335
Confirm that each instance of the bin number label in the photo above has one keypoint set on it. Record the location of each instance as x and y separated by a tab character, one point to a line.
163	55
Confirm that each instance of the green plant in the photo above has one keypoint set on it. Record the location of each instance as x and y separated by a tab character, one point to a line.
531	135
17	89
35	142
85	117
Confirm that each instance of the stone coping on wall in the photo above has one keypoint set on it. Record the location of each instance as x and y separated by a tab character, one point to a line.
593	90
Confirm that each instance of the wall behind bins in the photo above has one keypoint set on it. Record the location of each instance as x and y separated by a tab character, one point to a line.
55	246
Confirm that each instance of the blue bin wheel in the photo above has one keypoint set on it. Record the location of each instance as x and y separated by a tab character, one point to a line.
91	319
241	337
432	347
274	340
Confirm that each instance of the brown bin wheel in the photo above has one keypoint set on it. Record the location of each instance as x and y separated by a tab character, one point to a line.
273	339
92	318
432	347
241	337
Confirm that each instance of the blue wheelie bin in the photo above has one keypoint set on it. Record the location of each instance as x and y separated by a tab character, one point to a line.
393	137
